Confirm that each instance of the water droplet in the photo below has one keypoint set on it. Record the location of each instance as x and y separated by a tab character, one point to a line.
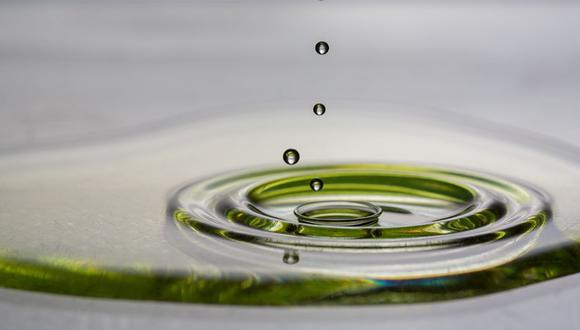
316	184
291	156
322	47
291	257
319	109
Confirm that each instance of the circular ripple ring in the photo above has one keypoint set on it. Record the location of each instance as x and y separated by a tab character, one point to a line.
432	221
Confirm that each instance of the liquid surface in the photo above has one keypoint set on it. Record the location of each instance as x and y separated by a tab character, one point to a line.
170	216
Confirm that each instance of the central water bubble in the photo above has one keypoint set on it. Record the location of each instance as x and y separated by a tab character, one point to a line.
338	213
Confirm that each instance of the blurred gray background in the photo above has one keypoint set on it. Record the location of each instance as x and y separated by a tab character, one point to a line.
78	70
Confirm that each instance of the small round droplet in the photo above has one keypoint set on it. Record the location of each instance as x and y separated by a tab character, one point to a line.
319	109
291	156
321	47
291	257
316	184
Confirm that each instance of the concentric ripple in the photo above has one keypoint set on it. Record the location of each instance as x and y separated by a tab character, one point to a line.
432	222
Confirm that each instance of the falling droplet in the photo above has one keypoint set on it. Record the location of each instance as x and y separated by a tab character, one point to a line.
319	109
291	156
322	47
316	184
291	257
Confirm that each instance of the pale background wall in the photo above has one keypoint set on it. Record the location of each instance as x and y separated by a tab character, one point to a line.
74	70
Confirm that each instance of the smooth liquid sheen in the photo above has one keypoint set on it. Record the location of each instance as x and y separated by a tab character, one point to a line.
462	229
375	233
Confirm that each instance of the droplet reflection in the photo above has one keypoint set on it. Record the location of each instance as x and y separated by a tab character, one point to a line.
291	257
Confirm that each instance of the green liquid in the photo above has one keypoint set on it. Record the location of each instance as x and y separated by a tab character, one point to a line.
442	234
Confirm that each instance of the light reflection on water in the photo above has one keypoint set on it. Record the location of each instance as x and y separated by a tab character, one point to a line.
461	209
